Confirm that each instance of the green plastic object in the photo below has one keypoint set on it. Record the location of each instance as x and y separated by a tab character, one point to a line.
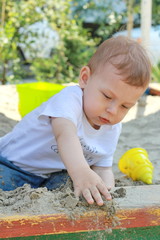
32	95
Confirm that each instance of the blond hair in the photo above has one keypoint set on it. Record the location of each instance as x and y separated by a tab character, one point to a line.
127	56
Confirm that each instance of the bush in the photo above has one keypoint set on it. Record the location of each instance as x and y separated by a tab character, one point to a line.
156	73
73	50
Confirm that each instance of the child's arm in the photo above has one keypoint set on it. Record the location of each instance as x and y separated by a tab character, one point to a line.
106	174
85	180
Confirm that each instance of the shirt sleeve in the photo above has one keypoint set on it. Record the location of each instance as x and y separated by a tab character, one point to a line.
66	104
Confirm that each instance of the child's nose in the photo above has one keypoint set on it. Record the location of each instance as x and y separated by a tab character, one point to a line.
112	108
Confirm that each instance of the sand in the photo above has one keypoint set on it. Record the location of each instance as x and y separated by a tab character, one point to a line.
141	128
28	201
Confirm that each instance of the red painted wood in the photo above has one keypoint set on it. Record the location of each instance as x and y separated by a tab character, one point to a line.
42	225
54	224
145	217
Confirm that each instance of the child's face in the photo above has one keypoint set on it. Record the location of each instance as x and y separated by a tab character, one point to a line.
106	97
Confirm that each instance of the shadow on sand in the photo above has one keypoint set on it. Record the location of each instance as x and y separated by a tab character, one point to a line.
6	124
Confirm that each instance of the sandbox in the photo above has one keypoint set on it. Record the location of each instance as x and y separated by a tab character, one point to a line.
134	213
136	216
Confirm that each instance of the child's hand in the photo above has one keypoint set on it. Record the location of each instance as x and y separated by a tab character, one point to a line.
91	186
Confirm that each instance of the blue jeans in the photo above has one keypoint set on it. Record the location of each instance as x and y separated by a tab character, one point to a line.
147	92
12	177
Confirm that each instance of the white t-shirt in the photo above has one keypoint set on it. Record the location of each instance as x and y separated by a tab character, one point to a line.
32	146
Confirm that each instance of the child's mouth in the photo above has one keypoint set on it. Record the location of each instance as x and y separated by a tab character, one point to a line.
104	120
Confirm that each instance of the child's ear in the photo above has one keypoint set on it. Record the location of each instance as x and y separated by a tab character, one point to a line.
85	74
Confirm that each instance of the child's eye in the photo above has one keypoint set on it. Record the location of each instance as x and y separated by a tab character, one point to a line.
106	96
125	107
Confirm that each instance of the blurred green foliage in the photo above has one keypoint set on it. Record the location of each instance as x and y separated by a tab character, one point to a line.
14	14
156	73
76	42
74	48
155	12
101	16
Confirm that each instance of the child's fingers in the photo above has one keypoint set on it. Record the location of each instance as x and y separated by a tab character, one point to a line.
93	194
104	191
96	195
77	192
87	195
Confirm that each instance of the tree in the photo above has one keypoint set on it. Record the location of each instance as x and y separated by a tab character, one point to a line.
104	17
14	15
74	49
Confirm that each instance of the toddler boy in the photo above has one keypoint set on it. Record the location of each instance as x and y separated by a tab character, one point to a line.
76	131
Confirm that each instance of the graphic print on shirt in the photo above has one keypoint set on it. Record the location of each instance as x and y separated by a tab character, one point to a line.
88	150
55	148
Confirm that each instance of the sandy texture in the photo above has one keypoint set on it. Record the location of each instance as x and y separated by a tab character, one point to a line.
9	114
141	128
26	200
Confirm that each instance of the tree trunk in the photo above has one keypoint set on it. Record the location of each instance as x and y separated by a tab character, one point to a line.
130	17
146	16
4	70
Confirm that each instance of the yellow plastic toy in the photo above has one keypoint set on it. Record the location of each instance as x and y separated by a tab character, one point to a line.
135	164
31	95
